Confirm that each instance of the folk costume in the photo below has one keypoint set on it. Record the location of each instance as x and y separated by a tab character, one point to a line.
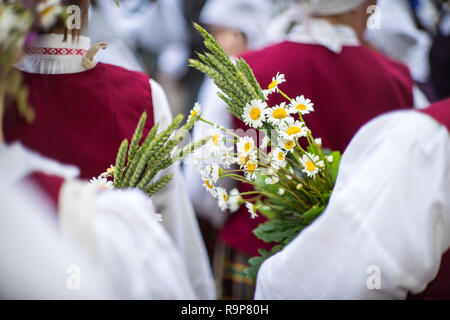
83	112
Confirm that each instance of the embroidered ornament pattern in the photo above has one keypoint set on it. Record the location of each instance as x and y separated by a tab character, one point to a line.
55	51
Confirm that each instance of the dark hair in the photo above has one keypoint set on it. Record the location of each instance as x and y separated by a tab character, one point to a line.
61	25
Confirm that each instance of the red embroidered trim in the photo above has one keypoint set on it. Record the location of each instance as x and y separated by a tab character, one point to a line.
55	51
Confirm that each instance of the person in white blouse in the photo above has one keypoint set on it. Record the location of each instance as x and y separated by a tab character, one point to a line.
386	225
179	218
105	244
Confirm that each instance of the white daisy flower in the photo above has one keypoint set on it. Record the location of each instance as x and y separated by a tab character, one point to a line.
254	113
251	210
278	114
234	200
302	105
246	146
271	180
227	158
287	144
281	191
293	129
215	172
209	186
216	145
196	110
330	159
102	183
273	86
49	11
250	170
318	141
206	172
109	172
222	198
278	158
311	164
9	21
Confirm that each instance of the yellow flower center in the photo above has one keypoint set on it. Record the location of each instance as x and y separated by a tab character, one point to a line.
273	84
243	160
225	198
310	166
193	114
293	130
216	139
46	11
251	167
255	113
209	184
301	107
288	145
280	156
248	146
279	113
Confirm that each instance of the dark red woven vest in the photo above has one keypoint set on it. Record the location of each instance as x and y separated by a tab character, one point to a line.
348	90
81	118
439	288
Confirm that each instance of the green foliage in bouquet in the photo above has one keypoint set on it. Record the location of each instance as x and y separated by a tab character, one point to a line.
293	182
16	22
138	165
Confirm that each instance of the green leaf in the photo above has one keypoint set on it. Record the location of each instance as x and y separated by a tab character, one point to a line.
334	167
278	230
310	215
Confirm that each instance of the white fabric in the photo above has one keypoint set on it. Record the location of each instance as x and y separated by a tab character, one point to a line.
334	7
319	31
172	202
444	28
119	51
178	215
54	64
399	37
248	16
118	229
35	260
158	26
390	209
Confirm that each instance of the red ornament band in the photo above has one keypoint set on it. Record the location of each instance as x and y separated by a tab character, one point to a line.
55	51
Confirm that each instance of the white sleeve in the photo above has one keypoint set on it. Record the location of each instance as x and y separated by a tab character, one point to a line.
120	232
213	110
178	215
388	216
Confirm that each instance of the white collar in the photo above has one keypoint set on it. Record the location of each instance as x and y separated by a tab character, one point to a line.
55	63
321	32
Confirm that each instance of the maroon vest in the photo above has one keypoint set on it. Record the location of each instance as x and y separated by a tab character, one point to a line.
50	185
81	118
439	288
348	90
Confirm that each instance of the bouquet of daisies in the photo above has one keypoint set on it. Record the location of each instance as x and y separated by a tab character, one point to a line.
139	163
292	179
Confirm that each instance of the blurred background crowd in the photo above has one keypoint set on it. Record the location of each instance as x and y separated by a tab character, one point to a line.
157	37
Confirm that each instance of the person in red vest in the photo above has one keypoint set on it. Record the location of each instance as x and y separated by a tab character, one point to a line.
386	231
83	110
323	59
